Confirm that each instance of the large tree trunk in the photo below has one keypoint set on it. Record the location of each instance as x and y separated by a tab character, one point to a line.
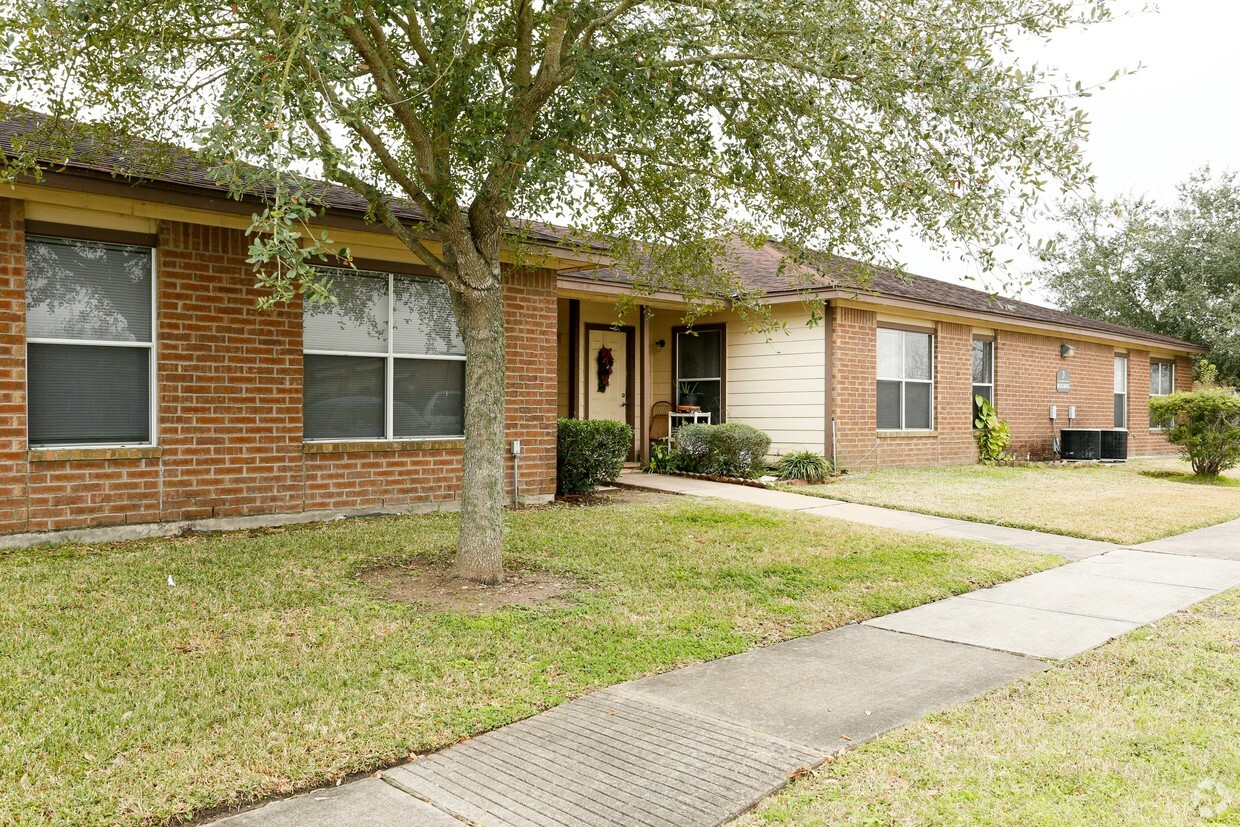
481	317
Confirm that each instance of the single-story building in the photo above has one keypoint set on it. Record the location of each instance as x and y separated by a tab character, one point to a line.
870	368
141	386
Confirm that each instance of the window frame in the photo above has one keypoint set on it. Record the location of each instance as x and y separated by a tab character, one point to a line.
932	335
1126	393
1161	363
973	386
722	329
152	348
389	368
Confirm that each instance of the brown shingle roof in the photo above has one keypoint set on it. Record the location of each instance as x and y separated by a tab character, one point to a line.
771	270
80	151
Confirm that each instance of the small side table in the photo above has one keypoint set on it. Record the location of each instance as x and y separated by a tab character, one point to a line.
678	419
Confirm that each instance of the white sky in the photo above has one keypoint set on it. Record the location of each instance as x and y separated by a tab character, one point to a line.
1149	130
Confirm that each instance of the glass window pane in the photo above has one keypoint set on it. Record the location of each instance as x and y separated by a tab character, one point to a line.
428	398
890	361
1121	375
889	405
699	354
1155	379
1121	410
343	397
81	395
983	362
357	321
917	355
916	405
712	400
87	290
423	321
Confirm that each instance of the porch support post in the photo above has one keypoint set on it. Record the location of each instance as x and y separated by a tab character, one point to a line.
647	382
574	357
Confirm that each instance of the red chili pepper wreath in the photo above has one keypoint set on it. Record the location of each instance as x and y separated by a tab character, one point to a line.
606	362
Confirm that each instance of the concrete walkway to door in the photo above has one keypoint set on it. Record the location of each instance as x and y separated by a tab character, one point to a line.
697	746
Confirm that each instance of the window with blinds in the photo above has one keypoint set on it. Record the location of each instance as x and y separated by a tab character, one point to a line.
89	343
384	361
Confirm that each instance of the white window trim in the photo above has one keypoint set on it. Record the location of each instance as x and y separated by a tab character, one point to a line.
1171	365
389	379
153	367
1126	394
903	381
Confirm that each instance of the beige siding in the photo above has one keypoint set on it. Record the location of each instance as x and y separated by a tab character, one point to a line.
775	379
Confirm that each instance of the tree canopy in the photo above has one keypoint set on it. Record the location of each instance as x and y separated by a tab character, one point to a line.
1171	269
659	125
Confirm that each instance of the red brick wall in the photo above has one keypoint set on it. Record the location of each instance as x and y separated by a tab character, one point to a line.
531	323
859	443
230	415
1025	374
13	502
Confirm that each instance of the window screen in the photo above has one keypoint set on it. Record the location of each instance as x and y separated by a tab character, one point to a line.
364	381
905	390
89	324
699	369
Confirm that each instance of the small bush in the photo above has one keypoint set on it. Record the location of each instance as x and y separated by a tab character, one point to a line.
803	465
589	452
1206	426
991	432
664	458
727	450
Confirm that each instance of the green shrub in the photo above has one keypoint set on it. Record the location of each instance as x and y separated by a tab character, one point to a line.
991	432
589	452
803	465
727	450
1206	426
664	458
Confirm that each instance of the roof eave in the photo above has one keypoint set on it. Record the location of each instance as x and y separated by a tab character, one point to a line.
992	316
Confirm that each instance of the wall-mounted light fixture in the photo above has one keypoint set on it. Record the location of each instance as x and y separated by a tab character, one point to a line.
662	343
1066	351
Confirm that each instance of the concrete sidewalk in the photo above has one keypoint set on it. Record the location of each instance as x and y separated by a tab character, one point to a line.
697	746
1072	548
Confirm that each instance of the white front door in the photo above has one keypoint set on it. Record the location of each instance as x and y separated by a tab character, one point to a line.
607	400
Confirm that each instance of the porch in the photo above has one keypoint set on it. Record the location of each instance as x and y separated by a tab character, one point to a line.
772	379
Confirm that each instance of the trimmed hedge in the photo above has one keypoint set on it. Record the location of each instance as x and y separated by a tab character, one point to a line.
1206	426
589	452
727	450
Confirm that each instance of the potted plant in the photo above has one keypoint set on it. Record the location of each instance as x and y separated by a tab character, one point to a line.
690	398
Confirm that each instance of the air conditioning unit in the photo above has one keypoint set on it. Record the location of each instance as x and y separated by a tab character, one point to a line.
1080	444
1114	445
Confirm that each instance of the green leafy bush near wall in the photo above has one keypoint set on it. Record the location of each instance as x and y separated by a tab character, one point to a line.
803	465
589	452
1206	426
728	450
991	432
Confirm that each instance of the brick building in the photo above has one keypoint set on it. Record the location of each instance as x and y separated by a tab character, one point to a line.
874	369
141	386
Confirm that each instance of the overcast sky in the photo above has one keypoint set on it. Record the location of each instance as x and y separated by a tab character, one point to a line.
1150	130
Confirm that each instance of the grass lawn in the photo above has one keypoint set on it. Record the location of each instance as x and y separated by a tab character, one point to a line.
270	666
1116	503
1138	732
